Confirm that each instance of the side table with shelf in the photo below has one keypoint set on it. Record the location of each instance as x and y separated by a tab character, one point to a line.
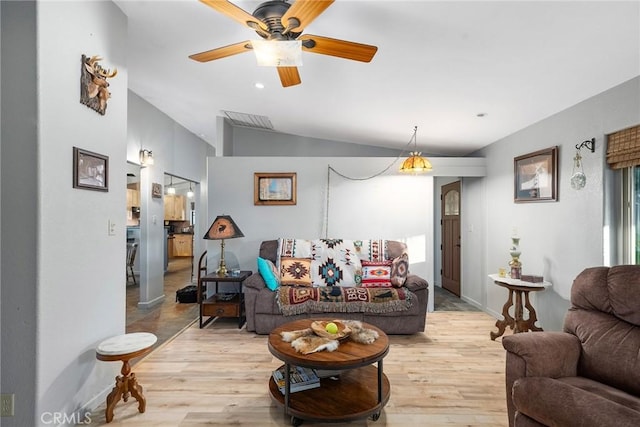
361	389
222	304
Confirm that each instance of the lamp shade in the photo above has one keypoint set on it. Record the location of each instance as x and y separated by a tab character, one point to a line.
223	227
416	164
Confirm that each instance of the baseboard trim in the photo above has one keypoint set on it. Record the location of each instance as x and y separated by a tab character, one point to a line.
153	302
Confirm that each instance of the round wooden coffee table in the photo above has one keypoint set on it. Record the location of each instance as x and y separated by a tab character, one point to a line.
361	389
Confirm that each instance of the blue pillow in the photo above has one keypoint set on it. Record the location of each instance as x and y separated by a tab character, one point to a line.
268	272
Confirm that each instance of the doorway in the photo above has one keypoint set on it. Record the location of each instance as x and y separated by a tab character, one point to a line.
450	232
169	317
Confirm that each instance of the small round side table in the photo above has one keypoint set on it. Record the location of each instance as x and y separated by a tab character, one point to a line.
124	348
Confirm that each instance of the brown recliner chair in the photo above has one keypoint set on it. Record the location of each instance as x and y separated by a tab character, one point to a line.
588	375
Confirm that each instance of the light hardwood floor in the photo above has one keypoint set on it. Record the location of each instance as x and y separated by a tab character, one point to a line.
450	375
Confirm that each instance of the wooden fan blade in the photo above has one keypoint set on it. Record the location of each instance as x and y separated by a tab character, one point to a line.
340	48
289	76
222	52
303	12
236	13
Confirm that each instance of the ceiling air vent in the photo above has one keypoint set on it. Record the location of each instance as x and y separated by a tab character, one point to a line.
249	120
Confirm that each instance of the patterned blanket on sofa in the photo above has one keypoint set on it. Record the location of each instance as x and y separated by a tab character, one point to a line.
294	300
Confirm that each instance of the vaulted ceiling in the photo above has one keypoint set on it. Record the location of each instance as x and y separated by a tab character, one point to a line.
439	66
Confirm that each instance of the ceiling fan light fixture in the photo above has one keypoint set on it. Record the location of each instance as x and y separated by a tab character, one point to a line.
278	53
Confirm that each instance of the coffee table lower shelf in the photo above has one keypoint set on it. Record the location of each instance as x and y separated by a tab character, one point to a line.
354	395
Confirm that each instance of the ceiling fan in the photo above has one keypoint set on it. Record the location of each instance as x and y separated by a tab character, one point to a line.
278	20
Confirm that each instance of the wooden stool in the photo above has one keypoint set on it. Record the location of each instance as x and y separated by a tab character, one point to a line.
125	347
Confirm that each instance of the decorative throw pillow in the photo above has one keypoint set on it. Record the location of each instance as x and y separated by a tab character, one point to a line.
295	271
376	274
399	270
269	273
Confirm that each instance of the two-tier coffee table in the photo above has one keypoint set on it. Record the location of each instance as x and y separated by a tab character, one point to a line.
360	391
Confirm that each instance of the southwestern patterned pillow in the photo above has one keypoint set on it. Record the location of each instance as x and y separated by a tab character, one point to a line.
399	270
376	274
295	271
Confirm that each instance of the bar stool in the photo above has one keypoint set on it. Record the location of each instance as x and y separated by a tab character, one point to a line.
124	348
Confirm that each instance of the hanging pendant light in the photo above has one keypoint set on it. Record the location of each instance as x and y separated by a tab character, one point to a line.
190	192
171	189
415	163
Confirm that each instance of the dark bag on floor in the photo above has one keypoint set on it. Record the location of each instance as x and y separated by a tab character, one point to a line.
188	294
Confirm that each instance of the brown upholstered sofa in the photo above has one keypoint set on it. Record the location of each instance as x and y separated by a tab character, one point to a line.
588	375
263	312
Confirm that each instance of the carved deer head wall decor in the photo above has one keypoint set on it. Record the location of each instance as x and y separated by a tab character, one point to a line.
93	84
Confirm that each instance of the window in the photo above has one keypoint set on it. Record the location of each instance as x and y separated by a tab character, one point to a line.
623	155
631	215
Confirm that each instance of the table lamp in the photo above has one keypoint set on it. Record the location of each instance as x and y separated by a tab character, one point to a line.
222	228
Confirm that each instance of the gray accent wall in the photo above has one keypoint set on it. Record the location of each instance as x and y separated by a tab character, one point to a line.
19	209
558	239
264	143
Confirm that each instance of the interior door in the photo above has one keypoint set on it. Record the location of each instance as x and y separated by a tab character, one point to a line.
450	229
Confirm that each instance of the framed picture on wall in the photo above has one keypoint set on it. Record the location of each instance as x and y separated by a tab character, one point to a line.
156	190
90	170
277	188
536	176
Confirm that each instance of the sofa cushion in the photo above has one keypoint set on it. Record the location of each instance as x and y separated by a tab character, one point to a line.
602	318
399	270
269	273
295	271
612	290
376	274
574	401
294	300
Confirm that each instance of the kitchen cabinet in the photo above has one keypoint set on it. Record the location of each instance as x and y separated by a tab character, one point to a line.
174	207
170	247
133	198
182	245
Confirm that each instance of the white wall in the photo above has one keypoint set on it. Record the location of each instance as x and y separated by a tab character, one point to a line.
558	239
391	206
80	266
62	274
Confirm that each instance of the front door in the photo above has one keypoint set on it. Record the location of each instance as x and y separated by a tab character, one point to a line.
450	247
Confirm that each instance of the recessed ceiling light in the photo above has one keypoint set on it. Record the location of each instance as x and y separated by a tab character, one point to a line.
259	85
481	115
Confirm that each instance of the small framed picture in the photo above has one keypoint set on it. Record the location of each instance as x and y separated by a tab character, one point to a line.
536	176
90	170
274	188
156	190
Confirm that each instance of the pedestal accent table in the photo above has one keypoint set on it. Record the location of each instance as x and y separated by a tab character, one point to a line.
517	288
124	348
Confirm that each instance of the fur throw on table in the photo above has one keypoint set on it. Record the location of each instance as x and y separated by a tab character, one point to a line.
305	341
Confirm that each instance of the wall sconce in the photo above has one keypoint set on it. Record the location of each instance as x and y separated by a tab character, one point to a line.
146	158
578	178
